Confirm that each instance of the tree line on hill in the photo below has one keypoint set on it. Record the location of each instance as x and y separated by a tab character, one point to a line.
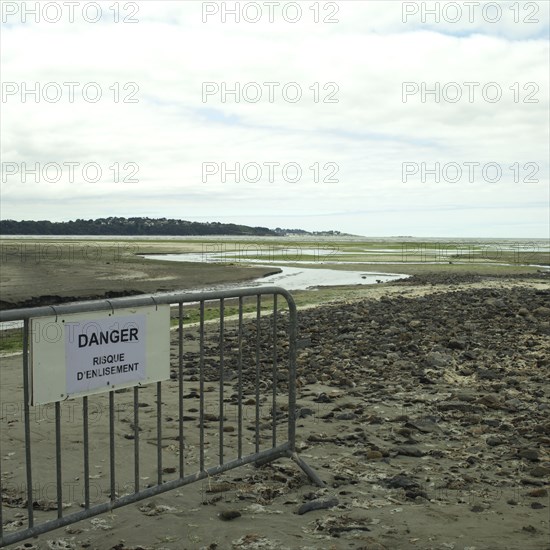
142	226
127	226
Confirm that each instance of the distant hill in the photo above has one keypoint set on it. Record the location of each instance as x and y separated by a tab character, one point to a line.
143	226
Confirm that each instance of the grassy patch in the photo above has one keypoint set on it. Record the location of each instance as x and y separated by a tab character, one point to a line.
11	340
212	312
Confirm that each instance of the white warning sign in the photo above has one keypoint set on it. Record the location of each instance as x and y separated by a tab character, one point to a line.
105	352
86	353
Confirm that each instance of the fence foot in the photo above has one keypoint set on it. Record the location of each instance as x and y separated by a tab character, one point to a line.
283	451
308	470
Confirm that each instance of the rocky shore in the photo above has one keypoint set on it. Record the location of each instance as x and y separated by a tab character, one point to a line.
428	417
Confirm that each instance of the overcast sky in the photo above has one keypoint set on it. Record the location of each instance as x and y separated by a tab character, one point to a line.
364	136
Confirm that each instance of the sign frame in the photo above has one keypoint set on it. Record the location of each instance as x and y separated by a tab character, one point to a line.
90	353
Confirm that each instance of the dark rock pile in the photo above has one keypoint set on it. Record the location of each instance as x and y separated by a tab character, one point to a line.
442	398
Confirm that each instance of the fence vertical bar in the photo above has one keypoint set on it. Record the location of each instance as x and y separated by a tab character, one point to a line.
159	433
1	491
112	442
85	436
180	386
136	439
26	397
201	385
1	513
274	376
59	486
240	383
222	360
257	380
293	335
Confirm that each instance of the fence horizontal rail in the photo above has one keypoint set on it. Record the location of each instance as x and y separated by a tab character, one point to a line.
143	300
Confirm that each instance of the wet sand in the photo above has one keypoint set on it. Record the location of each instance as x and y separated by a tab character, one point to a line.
45	273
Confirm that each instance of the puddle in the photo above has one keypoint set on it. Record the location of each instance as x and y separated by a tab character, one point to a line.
291	278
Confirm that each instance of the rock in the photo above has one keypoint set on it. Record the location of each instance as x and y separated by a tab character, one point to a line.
342	337
228	515
457	406
424	425
423	379
304	342
541	492
317	504
531	481
529	454
322	398
409	451
513	404
540	471
529	529
400	482
416	494
488	374
542	312
304	412
456	344
346	416
437	360
374	455
493	422
490	401
465	396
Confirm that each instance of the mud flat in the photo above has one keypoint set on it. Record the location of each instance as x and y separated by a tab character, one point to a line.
48	272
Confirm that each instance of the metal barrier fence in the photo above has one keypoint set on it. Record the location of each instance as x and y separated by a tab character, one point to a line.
253	356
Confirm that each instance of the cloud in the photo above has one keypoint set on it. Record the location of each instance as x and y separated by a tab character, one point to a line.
352	123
